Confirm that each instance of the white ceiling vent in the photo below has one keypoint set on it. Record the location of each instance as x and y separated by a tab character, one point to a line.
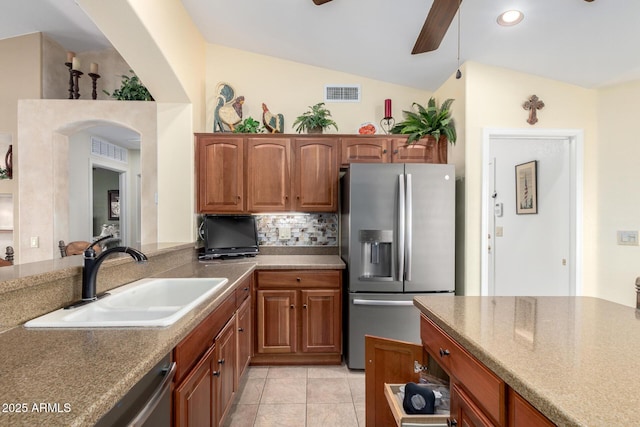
342	93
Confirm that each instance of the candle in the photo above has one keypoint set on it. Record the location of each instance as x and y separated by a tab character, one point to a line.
93	68
75	64
70	56
387	109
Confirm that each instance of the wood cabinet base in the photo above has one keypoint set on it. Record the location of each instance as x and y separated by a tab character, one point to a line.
296	359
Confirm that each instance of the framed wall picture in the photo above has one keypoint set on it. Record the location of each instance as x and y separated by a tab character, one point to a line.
527	188
113	204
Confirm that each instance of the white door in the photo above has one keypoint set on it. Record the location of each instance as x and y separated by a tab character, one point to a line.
531	254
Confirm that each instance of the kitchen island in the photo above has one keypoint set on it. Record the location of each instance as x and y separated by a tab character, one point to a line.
71	377
575	359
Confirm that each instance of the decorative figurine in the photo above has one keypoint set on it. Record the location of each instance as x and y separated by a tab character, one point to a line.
226	112
273	122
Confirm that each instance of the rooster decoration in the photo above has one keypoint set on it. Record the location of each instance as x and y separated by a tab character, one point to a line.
228	111
273	122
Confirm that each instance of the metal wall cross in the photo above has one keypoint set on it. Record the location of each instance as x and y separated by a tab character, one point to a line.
533	104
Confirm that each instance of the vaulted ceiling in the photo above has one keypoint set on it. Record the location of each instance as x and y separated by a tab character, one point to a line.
590	44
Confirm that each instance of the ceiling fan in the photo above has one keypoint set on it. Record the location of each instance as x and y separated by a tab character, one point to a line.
435	26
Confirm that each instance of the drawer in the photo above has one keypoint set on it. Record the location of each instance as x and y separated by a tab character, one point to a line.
483	385
189	350
299	279
243	290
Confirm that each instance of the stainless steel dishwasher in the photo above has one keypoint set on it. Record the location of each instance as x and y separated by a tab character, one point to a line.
148	403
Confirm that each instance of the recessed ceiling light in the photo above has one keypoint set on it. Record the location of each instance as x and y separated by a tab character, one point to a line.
510	17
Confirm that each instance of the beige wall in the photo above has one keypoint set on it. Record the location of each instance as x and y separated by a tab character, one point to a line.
163	46
618	208
290	88
494	100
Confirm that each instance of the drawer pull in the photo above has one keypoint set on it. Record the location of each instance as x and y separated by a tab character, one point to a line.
452	422
298	279
245	289
444	353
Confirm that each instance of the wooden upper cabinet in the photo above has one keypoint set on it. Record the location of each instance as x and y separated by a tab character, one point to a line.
365	150
316	175
424	151
220	171
268	174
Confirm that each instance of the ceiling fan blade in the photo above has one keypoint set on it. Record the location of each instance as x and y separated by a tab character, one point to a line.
436	25
319	2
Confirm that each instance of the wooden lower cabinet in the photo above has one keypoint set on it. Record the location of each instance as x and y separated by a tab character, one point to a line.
244	329
194	396
211	360
225	370
298	317
478	397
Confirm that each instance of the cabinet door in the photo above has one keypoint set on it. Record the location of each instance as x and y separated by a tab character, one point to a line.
276	321
464	411
220	174
225	373
316	174
424	151
364	150
387	361
194	397
244	338
321	321
268	175
521	413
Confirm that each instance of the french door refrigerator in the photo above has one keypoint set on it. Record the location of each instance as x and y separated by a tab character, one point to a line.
398	232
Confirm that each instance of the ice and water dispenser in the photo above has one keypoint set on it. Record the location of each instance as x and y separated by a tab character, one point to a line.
377	259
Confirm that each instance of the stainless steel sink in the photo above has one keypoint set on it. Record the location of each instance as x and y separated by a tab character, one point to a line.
143	303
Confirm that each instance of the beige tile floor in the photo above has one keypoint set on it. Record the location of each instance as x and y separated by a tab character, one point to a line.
299	396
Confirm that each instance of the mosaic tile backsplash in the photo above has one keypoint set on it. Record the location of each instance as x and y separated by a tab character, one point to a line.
306	229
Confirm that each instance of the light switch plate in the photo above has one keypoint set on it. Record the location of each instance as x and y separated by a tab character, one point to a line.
628	238
284	233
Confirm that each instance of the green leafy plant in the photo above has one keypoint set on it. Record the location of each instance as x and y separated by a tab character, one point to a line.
249	125
131	89
433	120
315	120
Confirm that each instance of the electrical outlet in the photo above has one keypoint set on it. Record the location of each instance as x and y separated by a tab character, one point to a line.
35	242
284	233
628	238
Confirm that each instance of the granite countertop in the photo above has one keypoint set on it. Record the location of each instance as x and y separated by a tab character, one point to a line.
573	358
82	373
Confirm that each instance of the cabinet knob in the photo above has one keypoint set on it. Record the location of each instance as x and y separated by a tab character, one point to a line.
221	361
245	289
384	151
216	373
444	352
298	279
395	151
293	306
304	305
239	197
452	422
240	329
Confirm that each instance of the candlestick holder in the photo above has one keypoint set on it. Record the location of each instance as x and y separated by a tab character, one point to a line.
94	80
387	124
76	88
70	65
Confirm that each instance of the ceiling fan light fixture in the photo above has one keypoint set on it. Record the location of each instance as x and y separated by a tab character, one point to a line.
510	18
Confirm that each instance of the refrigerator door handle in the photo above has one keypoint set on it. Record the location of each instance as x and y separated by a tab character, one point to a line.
381	302
401	226
409	228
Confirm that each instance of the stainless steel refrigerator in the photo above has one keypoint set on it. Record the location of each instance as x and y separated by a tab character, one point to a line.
398	232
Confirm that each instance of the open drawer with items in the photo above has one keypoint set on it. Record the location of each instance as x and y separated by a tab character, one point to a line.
395	397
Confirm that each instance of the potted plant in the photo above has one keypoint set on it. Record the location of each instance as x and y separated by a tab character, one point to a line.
431	121
131	89
315	120
249	125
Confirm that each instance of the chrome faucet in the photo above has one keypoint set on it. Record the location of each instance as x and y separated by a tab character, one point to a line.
92	263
